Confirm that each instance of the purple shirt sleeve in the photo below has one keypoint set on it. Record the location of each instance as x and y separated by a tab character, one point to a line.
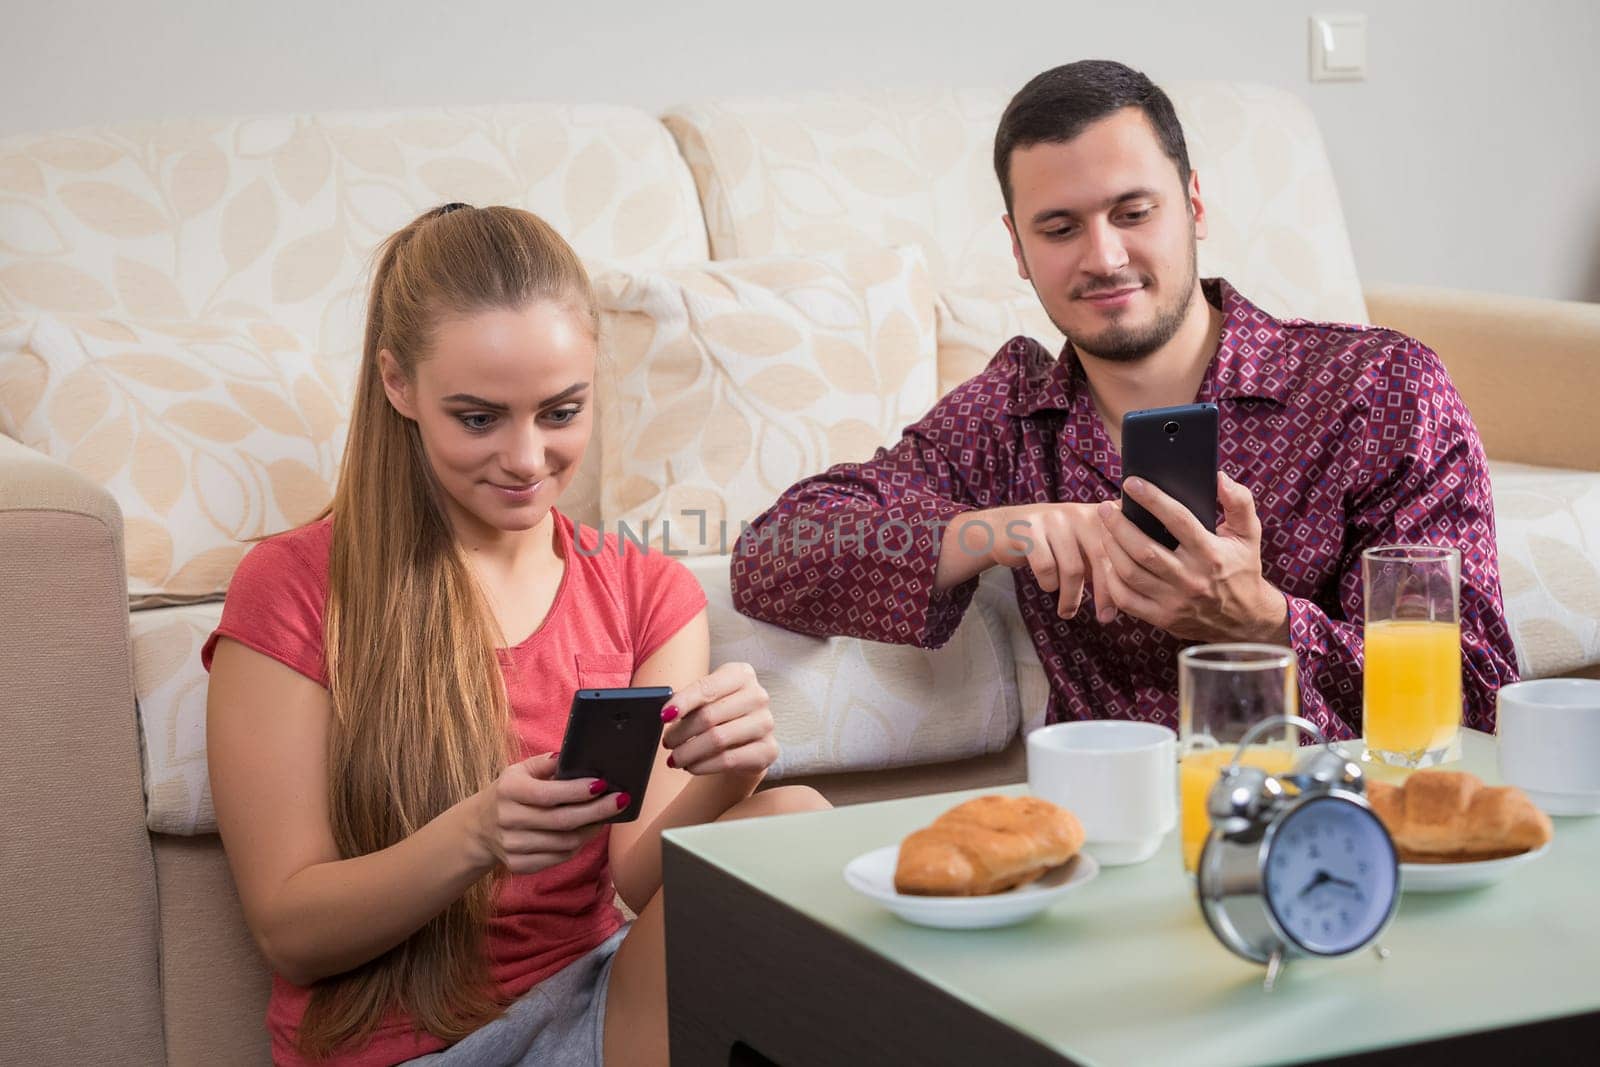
1421	478
853	551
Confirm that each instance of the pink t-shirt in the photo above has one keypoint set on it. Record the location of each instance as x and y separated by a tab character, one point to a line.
614	608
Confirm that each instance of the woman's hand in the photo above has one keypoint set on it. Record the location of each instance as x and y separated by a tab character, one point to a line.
529	820
721	724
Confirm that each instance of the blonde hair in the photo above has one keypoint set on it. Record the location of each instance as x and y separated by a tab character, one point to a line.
420	715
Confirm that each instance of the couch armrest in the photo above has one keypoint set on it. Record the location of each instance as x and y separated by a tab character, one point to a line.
80	981
1518	362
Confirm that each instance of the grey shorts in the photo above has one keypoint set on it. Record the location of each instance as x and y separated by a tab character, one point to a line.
561	1022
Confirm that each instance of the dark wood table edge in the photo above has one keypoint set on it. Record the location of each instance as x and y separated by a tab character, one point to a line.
1553	1042
723	995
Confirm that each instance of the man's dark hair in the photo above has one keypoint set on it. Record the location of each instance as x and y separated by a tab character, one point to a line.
1056	106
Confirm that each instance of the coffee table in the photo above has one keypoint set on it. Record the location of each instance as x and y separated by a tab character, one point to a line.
772	959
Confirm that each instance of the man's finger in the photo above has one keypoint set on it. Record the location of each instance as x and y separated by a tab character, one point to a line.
1127	569
1238	506
1179	520
1105	597
1042	562
1139	548
1069	571
1120	597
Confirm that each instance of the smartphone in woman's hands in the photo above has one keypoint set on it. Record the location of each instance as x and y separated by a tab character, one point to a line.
613	734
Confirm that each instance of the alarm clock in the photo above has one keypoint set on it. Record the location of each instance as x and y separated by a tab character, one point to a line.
1296	865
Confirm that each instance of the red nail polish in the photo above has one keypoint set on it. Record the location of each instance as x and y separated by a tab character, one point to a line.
672	761
597	787
669	713
623	800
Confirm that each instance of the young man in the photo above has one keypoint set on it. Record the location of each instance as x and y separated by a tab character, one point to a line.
1332	439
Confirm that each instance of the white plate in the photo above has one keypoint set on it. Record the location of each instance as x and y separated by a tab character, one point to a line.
872	875
1449	877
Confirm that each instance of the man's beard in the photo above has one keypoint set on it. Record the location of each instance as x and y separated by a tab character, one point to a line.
1128	344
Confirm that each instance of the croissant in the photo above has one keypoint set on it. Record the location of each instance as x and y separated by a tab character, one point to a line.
1452	817
987	845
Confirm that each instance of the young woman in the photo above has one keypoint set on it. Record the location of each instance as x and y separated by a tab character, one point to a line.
388	685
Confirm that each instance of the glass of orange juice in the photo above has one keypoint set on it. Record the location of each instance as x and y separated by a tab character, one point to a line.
1412	680
1223	690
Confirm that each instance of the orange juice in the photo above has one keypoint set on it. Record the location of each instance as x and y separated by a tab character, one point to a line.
1199	771
1413	686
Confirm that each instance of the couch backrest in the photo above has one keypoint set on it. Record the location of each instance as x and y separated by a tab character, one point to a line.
820	171
277	218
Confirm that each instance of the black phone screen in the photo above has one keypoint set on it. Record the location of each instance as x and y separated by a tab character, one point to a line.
1174	449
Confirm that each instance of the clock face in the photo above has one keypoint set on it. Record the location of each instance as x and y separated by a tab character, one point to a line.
1331	876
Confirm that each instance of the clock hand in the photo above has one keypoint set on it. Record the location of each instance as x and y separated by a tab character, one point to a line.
1316	880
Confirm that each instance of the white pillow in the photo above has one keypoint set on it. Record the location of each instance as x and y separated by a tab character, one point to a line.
975	322
730	381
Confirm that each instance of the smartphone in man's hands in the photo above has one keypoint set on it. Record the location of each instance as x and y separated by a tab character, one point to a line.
1175	450
613	734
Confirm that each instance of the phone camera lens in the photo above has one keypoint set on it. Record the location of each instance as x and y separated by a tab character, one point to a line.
1171	426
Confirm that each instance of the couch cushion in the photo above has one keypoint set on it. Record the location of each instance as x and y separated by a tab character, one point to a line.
1548	528
170	687
975	321
276	218
732	380
820	172
214	982
843	704
817	172
206	433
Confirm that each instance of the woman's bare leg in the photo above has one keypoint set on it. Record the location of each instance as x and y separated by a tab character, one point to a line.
636	1002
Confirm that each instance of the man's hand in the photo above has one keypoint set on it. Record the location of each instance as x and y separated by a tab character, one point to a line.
1059	543
1210	589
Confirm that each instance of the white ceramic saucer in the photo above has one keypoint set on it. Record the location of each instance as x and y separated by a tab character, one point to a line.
872	875
1450	877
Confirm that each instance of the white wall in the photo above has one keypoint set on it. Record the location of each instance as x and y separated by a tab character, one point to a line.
1468	158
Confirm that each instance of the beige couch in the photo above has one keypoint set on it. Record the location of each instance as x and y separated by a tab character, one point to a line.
179	317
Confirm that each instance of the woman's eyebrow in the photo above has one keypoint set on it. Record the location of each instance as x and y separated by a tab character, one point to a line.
567	393
478	401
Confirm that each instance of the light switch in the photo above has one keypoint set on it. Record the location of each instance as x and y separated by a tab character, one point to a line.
1338	47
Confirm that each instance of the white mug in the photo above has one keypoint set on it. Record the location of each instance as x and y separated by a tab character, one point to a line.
1549	742
1119	778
